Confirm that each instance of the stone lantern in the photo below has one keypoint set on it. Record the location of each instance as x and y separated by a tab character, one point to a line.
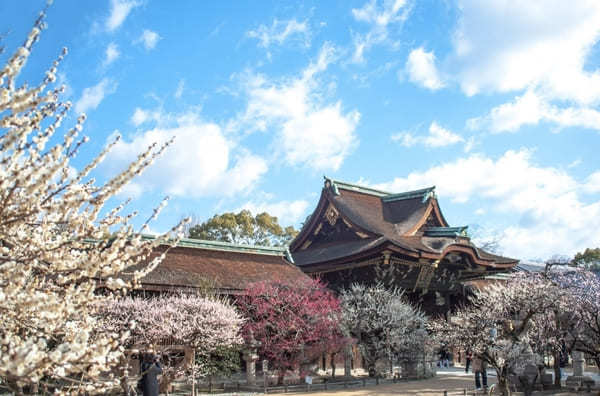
250	356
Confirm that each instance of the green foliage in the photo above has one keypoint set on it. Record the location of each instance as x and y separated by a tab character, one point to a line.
588	259
221	362
243	228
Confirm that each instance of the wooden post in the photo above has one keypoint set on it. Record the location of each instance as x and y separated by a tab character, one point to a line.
464	392
445	393
194	374
265	366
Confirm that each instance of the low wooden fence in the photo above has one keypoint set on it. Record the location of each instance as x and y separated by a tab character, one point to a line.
346	383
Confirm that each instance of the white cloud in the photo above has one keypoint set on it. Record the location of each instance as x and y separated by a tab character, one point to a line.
421	69
309	132
592	184
506	46
200	162
379	18
148	39
531	109
111	54
180	88
575	163
280	31
141	116
540	50
92	96
287	212
119	9
438	136
553	220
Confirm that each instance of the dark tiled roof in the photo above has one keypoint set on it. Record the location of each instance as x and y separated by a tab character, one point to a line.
388	219
496	258
369	212
223	266
336	251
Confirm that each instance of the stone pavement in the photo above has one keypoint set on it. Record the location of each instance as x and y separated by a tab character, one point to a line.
453	380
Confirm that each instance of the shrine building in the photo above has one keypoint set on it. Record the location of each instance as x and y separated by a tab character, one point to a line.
355	234
359	234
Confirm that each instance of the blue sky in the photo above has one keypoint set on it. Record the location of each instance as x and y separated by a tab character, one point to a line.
495	102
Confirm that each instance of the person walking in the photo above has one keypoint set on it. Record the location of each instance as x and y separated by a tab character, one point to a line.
444	356
150	369
469	357
480	369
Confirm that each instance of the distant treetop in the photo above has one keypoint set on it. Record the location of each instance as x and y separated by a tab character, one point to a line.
242	228
588	259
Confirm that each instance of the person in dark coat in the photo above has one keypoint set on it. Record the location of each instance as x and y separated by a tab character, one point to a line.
469	357
480	369
150	369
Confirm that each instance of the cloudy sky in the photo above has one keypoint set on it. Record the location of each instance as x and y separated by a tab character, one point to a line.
494	102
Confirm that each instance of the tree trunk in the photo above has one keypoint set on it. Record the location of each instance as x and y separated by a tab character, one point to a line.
503	386
280	377
165	382
333	365
123	372
557	369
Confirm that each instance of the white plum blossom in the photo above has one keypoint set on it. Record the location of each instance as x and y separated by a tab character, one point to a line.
204	323
58	242
585	307
382	321
503	322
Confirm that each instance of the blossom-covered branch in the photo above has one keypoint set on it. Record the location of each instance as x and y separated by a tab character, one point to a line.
53	239
382	321
294	323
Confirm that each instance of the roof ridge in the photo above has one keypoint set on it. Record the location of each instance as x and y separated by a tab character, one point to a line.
355	187
423	193
227	246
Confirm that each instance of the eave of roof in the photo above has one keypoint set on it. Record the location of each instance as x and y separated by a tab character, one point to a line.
445	231
229	247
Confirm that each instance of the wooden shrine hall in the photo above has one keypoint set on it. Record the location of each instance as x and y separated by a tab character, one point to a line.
359	234
355	234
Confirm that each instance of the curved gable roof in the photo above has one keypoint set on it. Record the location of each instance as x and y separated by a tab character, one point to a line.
400	220
373	211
